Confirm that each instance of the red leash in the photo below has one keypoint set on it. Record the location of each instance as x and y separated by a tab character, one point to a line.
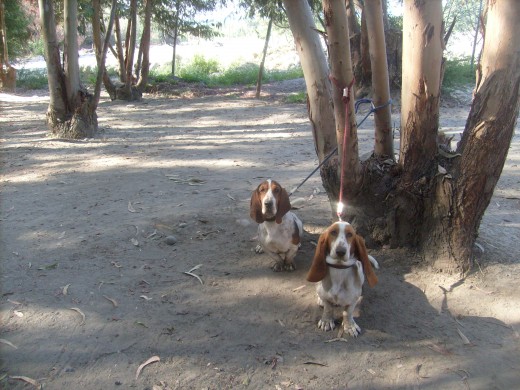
346	133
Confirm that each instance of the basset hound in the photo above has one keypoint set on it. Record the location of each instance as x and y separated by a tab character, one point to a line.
279	230
339	267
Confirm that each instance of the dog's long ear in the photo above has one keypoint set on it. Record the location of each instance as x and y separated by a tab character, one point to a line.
319	265
283	205
255	207
360	250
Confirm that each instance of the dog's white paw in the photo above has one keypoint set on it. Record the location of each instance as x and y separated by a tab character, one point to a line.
259	249
352	328
326	324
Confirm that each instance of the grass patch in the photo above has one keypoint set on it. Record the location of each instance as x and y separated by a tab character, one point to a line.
209	72
297	97
458	72
32	78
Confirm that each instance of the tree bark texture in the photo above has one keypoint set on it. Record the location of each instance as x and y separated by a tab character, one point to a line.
487	135
100	57
420	93
73	117
262	62
384	141
342	76
319	95
145	48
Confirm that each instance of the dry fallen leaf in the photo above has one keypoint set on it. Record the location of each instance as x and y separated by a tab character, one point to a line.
440	349
18	313
27	379
131	208
80	313
114	302
145	298
65	289
153	359
7	342
465	340
190	272
134	241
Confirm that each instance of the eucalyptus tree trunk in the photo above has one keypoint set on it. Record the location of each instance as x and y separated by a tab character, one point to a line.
262	63
128	91
145	48
420	92
100	57
464	192
71	113
384	142
342	76
119	49
7	72
315	69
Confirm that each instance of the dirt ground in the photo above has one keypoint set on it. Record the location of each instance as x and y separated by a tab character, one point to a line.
97	236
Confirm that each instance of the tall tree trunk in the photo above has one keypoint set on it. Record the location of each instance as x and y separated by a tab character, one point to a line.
100	57
364	76
70	114
175	34
70	51
315	70
485	142
342	76
262	63
384	143
145	47
119	49
420	93
128	91
7	72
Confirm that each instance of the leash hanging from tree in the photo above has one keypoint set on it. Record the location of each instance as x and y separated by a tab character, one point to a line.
346	134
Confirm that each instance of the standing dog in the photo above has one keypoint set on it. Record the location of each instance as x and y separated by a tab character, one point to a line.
339	266
279	230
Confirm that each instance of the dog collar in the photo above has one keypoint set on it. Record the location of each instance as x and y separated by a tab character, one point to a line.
340	266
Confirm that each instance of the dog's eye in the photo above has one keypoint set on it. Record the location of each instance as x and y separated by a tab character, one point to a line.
262	189
334	233
276	190
349	234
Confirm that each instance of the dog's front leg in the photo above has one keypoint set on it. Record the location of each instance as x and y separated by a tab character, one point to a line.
349	325
327	319
279	261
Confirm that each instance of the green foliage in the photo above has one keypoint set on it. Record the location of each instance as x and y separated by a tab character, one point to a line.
31	78
396	22
465	11
298	97
199	69
457	73
244	74
293	72
17	26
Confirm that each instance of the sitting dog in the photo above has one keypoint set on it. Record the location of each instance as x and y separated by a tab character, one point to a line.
339	266
279	230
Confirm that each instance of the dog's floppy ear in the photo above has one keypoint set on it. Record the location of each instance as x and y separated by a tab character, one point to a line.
319	265
283	205
255	207
360	250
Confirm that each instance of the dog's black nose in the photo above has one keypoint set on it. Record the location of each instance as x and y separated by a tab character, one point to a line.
340	251
268	204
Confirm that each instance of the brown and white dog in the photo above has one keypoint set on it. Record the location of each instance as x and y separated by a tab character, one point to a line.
339	266
279	230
